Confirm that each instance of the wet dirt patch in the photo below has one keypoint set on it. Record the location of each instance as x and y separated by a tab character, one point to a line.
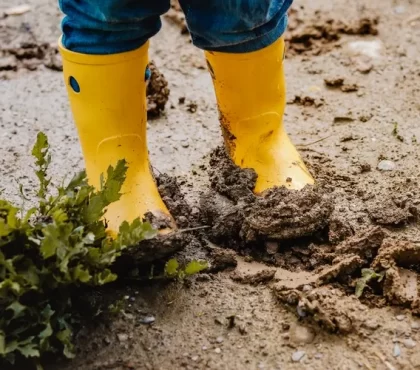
320	297
333	237
320	34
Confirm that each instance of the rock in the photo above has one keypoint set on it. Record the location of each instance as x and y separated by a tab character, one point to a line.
298	355
219	340
318	356
218	350
400	317
122	337
18	10
400	9
194	358
371	324
409	343
147	320
415	325
386	165
397	350
271	247
301	334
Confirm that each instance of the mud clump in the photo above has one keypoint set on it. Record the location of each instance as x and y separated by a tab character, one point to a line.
170	191
30	56
222	259
287	214
261	277
157	92
341	83
307	101
236	214
342	267
388	213
319	34
324	306
229	180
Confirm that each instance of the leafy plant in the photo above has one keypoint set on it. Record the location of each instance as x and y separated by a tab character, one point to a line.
367	276
174	270
53	251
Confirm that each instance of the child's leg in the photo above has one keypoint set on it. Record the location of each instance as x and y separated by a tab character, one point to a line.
105	55
245	51
110	26
235	26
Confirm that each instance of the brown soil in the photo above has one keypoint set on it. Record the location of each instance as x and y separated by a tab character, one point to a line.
284	268
157	92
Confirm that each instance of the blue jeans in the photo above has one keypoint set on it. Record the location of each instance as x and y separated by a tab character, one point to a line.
115	26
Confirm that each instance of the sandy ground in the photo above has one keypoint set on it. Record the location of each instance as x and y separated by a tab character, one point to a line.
347	125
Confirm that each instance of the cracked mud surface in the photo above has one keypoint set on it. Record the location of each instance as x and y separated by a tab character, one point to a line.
266	302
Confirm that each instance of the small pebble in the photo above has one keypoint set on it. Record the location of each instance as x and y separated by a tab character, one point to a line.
301	334
219	340
397	350
400	317
271	247
298	355
409	343
318	356
415	325
300	311
194	358
204	348
400	9
147	320
122	337
386	165
218	350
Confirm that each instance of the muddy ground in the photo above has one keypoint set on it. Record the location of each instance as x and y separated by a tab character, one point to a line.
353	73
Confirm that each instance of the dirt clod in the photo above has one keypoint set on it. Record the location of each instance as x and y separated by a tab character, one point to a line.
235	212
261	277
157	92
320	34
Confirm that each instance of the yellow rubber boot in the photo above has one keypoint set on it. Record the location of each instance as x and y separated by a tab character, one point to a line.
251	95
108	100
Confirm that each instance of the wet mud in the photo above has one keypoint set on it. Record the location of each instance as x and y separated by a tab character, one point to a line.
285	288
321	34
157	92
236	214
